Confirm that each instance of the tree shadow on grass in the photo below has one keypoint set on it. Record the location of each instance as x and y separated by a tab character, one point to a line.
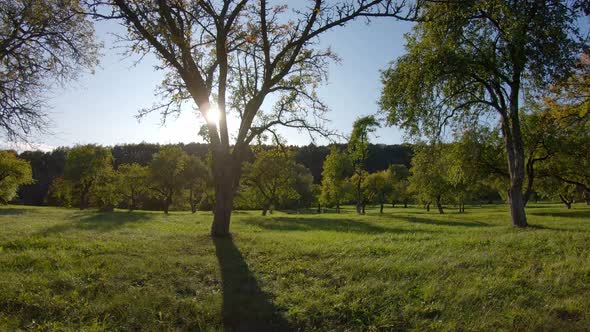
429	221
577	214
245	306
324	224
12	211
100	221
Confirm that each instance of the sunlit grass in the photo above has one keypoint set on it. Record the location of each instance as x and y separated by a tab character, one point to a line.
407	269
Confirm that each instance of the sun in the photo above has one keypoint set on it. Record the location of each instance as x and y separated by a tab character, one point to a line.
213	115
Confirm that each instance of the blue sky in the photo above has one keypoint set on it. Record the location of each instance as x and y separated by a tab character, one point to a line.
101	107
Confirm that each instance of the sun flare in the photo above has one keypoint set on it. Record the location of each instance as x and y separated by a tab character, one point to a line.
213	115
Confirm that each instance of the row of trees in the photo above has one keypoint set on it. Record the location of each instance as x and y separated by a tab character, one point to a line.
89	179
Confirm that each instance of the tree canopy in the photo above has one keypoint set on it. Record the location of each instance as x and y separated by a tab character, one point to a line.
41	42
470	59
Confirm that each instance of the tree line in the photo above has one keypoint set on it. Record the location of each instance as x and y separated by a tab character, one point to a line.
469	66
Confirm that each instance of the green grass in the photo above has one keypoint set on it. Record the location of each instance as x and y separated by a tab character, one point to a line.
62	269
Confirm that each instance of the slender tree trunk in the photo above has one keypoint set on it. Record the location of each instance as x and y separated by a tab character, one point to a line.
439	205
381	209
337	207
167	203
566	201
132	201
363	208
428	207
586	196
405	204
84	197
264	210
319	208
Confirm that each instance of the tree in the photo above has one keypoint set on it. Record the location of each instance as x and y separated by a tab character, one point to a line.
337	167
358	149
468	59
428	176
165	174
133	183
399	175
14	172
106	193
270	179
196	178
230	56
41	41
378	187
84	165
59	193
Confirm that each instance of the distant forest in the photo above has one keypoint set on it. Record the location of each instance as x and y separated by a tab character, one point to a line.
47	166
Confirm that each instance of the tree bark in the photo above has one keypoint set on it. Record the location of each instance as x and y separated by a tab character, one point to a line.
224	176
428	207
167	203
337	207
405	204
439	206
319	208
363	208
566	201
515	154
381	209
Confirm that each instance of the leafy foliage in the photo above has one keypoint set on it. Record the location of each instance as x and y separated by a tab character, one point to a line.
41	42
14	172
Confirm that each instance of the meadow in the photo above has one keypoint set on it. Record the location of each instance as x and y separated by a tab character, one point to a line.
408	269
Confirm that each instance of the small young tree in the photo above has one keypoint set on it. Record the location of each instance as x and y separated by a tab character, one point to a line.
336	169
358	150
196	178
165	174
14	172
378	187
428	176
399	175
270	179
106	193
84	164
133	184
59	193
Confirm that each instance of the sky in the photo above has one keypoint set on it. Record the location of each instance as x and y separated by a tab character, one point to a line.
102	107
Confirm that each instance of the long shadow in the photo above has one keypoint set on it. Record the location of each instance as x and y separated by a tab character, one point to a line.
428	221
326	224
578	214
100	221
12	211
245	306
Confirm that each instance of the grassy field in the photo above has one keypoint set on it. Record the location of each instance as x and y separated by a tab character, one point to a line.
63	269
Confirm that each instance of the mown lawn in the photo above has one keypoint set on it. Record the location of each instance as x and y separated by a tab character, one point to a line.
62	269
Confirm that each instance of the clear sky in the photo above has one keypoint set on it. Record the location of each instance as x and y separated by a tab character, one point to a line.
101	107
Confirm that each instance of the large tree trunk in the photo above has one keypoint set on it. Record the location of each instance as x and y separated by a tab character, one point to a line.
586	196
515	154
363	208
224	177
